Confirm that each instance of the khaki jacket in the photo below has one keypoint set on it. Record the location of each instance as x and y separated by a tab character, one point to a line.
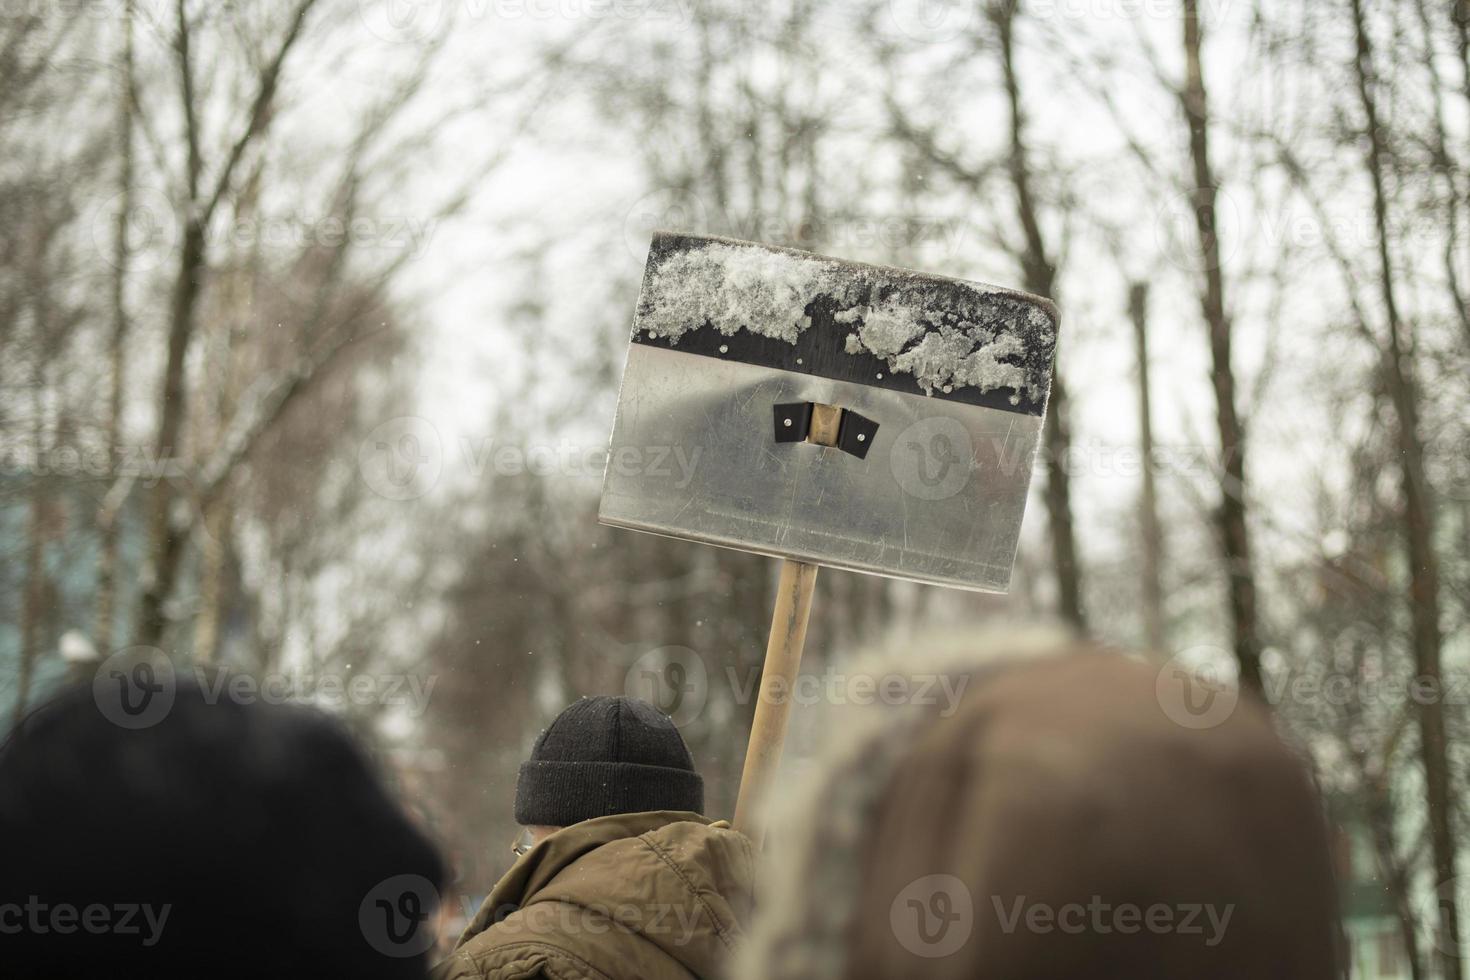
642	896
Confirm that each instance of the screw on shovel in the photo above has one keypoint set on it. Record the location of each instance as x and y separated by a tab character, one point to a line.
783	662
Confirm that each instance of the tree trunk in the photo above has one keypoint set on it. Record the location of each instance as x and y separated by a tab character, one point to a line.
33	601
165	537
1153	538
107	518
1462	35
164	541
1232	523
1040	276
1418	525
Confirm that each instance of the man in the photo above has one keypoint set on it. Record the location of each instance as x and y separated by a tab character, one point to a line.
622	877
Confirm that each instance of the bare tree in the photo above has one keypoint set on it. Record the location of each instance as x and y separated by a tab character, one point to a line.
1148	504
1039	272
1234	532
202	198
1036	258
107	516
1418	512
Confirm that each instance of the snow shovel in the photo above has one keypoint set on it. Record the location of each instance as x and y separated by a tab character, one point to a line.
828	413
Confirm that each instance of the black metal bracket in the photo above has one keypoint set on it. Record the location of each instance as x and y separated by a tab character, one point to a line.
793	423
856	434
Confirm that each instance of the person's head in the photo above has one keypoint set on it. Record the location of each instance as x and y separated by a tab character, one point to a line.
602	756
225	839
1058	823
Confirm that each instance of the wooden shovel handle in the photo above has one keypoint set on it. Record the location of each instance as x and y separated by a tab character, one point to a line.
773	703
783	661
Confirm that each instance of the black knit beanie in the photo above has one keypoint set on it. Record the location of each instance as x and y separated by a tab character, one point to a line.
606	755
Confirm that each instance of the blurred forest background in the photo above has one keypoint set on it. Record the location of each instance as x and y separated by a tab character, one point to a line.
312	314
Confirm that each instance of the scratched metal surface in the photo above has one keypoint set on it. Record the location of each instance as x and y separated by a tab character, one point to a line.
939	498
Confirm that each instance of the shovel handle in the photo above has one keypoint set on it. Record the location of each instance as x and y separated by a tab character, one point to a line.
773	703
783	661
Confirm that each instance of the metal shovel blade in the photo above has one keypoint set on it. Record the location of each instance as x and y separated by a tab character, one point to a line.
942	385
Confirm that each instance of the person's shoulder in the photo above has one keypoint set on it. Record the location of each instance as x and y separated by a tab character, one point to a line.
705	844
509	954
711	861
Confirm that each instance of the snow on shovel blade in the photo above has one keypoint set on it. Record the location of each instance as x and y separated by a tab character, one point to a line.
942	385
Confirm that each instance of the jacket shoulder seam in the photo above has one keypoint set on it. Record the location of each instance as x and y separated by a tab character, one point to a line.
673	866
